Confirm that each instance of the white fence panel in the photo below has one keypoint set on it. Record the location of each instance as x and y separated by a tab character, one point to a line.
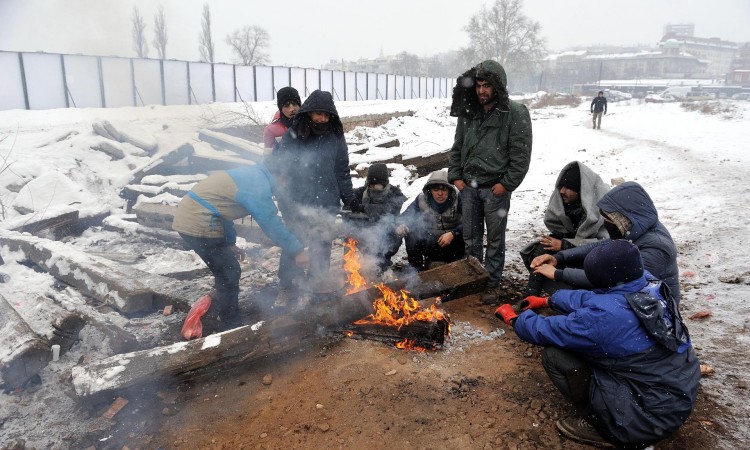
11	94
44	80
339	89
201	84
82	78
245	79
312	82
118	82
147	76
264	84
224	82
176	88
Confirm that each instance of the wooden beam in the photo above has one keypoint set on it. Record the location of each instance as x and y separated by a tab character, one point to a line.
244	148
249	343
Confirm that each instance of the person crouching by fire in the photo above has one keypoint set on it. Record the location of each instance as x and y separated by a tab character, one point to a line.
431	225
204	219
620	353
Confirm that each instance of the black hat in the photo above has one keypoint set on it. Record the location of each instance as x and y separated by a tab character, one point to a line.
612	263
377	174
571	179
286	94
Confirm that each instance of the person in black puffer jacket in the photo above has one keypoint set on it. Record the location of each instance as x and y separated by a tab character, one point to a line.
316	180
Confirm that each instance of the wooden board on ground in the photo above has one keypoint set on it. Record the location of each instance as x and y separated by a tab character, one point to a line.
249	343
162	164
243	148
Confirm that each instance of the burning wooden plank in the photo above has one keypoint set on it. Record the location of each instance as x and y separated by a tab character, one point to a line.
417	335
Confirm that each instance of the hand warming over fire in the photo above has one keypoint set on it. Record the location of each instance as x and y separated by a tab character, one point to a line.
445	239
402	230
546	270
543	259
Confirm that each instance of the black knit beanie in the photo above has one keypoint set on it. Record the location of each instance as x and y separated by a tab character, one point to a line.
571	179
286	94
612	263
377	174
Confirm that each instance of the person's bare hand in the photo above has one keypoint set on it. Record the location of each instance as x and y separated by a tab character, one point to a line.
498	189
546	270
550	243
402	230
445	239
303	259
459	184
543	259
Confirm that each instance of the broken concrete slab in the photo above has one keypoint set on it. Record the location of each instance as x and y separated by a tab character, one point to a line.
23	353
161	165
243	148
88	274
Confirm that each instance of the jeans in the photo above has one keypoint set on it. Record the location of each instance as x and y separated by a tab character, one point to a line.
597	119
222	262
317	237
481	207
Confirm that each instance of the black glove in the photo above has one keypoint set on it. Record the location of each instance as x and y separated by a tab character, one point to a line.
355	205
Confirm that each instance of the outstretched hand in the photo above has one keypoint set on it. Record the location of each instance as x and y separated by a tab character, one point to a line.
543	259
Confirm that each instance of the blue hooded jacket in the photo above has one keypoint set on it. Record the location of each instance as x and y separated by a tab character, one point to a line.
645	374
657	248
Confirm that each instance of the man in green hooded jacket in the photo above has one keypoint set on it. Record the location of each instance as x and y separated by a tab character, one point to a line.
489	159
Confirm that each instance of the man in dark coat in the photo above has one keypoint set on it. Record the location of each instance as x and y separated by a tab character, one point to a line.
381	205
598	107
628	213
316	160
431	225
572	218
489	159
620	353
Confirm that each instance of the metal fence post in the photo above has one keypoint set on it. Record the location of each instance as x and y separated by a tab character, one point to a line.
101	80
23	81
65	81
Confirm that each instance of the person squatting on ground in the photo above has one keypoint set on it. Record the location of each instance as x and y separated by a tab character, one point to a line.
598	108
619	353
628	213
381	204
572	219
315	159
489	159
204	220
431	225
288	101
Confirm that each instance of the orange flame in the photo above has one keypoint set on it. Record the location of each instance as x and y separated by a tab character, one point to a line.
348	333
392	309
351	265
408	344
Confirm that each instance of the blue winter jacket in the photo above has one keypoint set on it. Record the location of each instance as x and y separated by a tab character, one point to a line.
645	374
657	248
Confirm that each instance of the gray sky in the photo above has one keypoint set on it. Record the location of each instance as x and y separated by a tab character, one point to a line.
308	33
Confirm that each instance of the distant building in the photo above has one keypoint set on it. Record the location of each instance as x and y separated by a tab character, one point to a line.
716	53
680	29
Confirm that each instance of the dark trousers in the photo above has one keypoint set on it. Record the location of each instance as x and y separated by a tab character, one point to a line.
222	262
421	251
571	375
481	207
316	237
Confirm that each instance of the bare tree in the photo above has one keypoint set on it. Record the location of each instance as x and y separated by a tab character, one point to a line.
206	46
139	34
249	44
505	34
406	64
160	33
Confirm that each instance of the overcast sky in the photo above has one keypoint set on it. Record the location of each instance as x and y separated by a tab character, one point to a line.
309	33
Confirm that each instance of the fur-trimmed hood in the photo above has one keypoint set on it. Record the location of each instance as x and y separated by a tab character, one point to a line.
465	101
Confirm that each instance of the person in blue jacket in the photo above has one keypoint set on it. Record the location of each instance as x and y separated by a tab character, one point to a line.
620	353
315	160
628	213
204	219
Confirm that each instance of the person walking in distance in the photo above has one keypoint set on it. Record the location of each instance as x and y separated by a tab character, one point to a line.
598	107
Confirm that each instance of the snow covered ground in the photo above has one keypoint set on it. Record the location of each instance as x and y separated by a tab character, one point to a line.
695	166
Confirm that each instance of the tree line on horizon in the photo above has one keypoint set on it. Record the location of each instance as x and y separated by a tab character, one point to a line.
500	32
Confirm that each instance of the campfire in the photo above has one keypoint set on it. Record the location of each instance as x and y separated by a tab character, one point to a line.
396	315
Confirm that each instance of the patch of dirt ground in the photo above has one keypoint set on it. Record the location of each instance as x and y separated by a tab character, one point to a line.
485	389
